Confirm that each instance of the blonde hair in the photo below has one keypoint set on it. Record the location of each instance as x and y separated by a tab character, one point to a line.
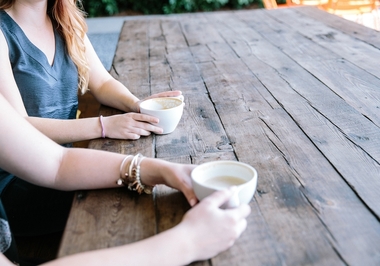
69	21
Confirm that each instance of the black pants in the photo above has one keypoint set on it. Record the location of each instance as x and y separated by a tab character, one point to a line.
34	210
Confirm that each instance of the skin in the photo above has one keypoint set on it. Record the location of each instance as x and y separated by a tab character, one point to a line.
204	231
31	16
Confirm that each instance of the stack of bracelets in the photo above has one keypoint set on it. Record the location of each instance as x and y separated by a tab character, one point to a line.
131	178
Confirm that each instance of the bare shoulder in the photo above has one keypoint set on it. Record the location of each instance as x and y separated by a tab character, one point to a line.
3	42
8	86
5	64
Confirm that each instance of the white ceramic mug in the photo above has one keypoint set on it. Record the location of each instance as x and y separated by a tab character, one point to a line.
167	109
212	176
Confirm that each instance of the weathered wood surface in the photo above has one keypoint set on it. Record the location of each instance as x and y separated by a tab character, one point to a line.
295	93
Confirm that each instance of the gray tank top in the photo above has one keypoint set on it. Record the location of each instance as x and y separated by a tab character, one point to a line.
48	91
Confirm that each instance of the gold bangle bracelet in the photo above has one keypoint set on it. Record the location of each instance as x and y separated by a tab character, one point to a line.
132	179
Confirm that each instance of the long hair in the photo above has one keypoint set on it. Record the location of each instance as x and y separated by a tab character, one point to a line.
70	23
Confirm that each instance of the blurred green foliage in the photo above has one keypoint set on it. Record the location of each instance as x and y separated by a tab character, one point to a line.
98	8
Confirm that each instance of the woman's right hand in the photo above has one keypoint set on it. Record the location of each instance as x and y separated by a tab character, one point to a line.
130	126
214	230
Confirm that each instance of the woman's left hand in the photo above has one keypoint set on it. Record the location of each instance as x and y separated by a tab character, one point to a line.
175	175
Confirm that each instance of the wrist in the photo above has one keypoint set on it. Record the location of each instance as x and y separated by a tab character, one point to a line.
187	247
151	171
102	127
130	174
136	106
131	104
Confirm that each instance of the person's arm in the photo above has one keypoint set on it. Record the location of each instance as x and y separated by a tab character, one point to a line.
109	91
4	261
25	152
205	230
125	126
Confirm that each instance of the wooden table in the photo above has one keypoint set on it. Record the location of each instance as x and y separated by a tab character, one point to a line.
294	92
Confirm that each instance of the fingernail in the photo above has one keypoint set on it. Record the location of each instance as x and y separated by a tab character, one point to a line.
193	202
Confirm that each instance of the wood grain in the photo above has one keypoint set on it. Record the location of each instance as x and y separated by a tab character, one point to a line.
293	92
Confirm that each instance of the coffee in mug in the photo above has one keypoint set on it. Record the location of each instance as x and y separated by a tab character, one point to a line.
223	181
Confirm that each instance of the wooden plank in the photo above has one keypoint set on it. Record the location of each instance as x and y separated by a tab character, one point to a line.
131	62
231	91
246	125
211	52
354	29
86	224
356	86
97	220
198	31
304	160
263	104
199	130
341	152
322	99
358	53
345	213
345	117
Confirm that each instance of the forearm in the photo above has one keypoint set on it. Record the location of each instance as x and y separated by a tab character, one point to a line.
167	248
114	94
88	169
68	131
102	169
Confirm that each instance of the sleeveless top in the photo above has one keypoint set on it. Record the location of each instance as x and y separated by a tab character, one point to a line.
48	91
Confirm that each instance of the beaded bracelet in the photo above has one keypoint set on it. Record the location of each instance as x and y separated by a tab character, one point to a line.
102	125
132	179
122	167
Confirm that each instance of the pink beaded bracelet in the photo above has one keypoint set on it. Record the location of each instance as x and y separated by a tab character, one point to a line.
103	130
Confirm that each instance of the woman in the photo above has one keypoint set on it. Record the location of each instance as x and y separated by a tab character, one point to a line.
208	229
45	57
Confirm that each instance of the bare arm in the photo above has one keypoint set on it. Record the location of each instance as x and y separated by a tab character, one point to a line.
32	156
127	126
205	231
108	90
29	154
105	88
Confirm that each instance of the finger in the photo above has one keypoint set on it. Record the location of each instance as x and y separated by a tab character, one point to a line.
168	94
241	212
132	136
144	129
141	131
241	226
157	130
190	196
144	118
